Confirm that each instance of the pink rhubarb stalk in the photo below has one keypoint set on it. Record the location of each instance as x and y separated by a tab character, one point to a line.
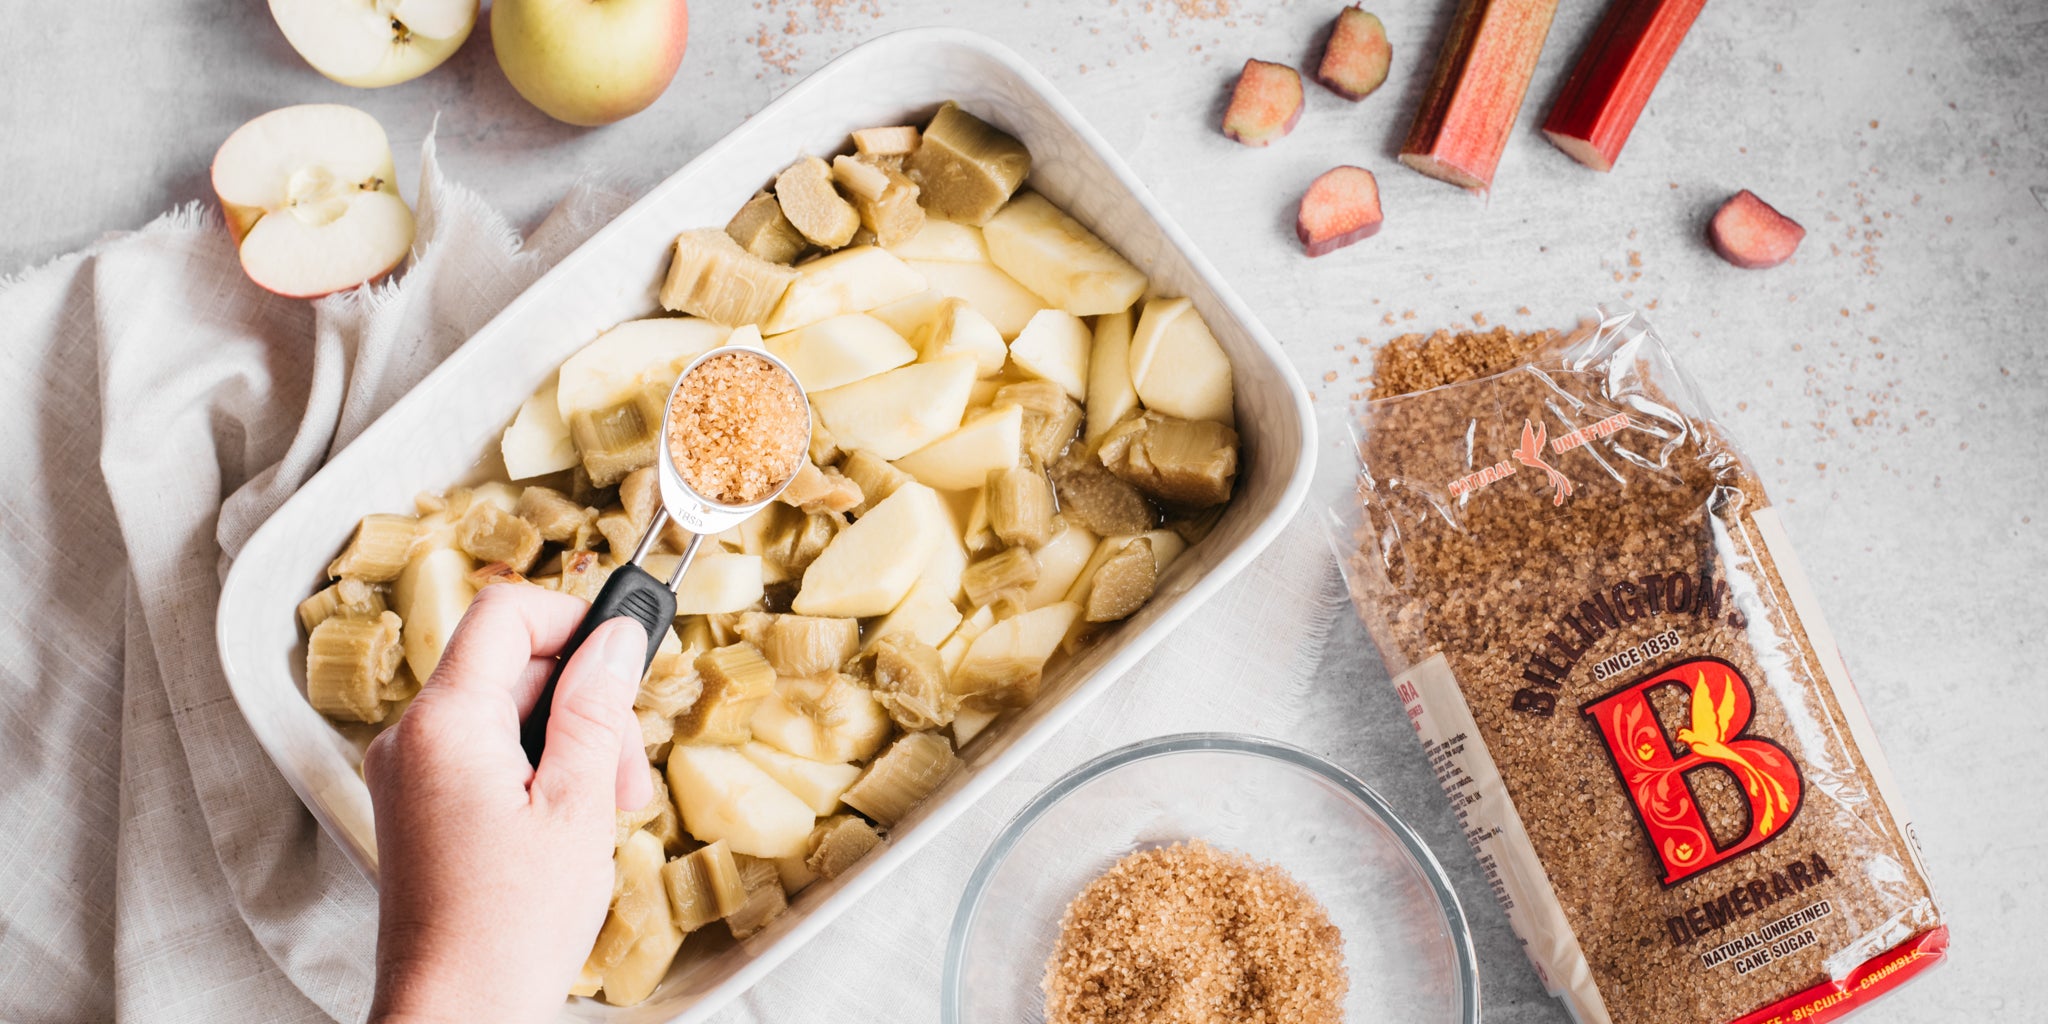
1481	75
1614	77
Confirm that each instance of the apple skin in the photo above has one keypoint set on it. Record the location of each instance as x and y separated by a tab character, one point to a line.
590	62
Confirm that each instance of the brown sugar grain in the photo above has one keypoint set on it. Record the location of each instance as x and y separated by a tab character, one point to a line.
738	428
1590	611
1188	934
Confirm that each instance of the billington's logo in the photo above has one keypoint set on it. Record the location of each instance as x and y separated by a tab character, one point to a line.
1655	777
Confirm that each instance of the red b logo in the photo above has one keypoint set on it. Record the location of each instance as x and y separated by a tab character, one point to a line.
1655	777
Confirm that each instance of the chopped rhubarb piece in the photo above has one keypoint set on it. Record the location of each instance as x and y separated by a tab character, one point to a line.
1747	232
1481	74
1355	61
1614	77
1265	104
1341	207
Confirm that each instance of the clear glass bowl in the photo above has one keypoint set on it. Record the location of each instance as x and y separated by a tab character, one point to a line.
1406	945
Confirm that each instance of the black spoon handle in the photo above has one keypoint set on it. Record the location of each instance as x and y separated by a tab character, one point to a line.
632	593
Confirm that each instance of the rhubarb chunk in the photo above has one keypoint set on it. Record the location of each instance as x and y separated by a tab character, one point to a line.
1341	207
1356	58
1614	77
1473	97
1747	232
1265	105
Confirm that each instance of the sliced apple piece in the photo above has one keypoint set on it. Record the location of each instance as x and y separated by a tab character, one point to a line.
715	583
537	442
817	783
1060	563
958	329
840	350
962	459
1053	255
895	413
969	723
1177	366
954	650
947	565
633	358
722	795
822	718
1004	665
927	613
870	565
946	241
908	315
432	592
852	280
310	196
373	43
1054	346
1111	398
992	293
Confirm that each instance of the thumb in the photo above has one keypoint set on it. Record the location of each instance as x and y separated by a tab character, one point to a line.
579	770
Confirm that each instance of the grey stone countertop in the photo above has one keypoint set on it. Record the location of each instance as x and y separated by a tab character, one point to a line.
1890	383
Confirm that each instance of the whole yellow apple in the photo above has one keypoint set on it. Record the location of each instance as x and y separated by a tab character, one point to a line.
590	62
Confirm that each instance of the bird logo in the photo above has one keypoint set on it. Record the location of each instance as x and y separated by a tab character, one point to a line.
1530	454
1653	765
1708	737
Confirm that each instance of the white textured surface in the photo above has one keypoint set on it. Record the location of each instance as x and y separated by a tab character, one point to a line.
1912	482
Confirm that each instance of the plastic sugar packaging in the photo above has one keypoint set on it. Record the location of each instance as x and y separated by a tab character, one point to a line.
1597	625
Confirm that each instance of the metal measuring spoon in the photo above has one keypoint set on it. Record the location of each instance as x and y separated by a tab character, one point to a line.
631	591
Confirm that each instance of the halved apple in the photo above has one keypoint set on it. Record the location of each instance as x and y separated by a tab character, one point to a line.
1177	367
372	43
310	196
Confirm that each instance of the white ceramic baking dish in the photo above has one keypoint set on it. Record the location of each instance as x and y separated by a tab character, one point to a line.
434	436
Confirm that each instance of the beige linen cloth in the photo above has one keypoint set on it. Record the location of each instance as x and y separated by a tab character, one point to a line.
155	408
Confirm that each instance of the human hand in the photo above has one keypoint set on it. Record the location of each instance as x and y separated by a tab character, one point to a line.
496	875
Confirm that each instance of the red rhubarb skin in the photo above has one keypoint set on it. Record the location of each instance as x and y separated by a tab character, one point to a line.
1340	207
1752	234
1265	105
1356	59
1482	73
1615	75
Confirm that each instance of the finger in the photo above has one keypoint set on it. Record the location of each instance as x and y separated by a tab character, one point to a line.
579	770
635	785
506	626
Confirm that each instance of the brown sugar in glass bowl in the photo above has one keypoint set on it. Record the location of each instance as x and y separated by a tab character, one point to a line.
737	428
1406	950
1189	933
